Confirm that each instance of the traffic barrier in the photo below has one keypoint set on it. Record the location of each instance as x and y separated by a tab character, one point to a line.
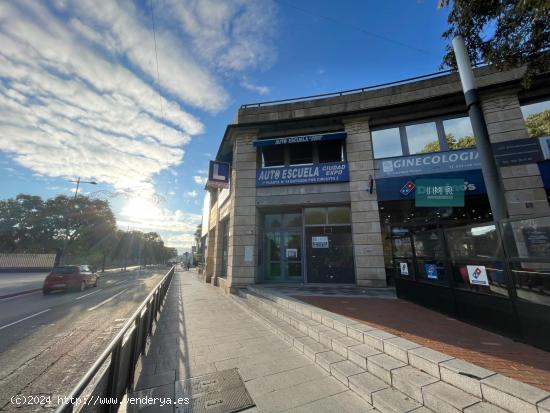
105	383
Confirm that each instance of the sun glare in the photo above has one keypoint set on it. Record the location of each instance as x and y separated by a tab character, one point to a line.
141	209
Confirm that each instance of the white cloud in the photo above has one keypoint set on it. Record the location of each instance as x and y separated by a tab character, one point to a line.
235	34
261	90
200	180
79	92
192	194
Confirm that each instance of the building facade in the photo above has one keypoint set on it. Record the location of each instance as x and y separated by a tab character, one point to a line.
336	189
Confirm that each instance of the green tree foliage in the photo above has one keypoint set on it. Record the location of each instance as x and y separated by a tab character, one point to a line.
504	33
83	228
538	124
452	143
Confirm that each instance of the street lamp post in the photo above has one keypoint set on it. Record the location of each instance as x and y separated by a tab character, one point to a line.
78	181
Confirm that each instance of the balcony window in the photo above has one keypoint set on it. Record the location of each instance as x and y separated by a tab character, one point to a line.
330	151
273	156
537	118
459	133
301	153
422	138
386	143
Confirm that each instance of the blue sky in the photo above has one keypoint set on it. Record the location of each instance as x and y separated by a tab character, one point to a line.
80	94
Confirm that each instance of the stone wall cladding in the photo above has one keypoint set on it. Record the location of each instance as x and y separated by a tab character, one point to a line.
243	223
374	99
523	187
366	231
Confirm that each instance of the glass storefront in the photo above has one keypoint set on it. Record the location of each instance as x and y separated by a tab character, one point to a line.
283	246
311	245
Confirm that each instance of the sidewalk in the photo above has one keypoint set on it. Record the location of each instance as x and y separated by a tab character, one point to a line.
447	335
201	331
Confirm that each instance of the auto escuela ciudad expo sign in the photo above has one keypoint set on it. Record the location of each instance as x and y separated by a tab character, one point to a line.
302	174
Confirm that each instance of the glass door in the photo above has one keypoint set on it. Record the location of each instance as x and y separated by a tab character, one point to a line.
283	246
273	256
292	259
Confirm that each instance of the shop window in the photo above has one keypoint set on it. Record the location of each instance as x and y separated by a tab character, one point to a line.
273	156
292	220
301	153
459	133
339	215
386	143
422	138
315	216
330	151
273	221
537	118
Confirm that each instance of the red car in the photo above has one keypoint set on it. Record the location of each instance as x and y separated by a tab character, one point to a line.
75	277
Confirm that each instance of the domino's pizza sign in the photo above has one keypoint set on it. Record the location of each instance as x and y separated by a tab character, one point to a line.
477	275
407	188
218	175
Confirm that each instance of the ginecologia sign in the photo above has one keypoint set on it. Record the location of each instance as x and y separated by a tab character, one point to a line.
430	163
303	174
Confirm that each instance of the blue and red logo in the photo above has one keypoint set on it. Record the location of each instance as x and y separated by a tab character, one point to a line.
407	188
477	273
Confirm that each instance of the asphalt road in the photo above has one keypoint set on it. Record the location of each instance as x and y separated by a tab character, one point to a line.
13	283
48	342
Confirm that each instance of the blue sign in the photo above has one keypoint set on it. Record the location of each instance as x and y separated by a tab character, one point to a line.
407	188
390	189
544	168
303	174
430	163
431	271
334	136
218	175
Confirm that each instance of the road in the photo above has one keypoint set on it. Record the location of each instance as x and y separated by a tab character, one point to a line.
48	342
14	283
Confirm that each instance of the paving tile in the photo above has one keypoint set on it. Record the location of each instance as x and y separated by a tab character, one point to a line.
511	394
382	365
344	369
345	402
442	397
298	395
327	358
391	400
359	354
365	384
439	332
290	378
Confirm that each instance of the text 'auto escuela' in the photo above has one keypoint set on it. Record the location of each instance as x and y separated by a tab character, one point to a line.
384	187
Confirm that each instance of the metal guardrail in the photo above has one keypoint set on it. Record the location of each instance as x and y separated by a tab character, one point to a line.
108	383
347	92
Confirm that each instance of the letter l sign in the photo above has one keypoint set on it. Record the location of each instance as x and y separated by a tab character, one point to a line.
215	173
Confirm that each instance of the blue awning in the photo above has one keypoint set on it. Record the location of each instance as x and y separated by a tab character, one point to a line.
334	136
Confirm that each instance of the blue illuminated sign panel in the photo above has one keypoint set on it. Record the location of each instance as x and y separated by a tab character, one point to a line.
303	174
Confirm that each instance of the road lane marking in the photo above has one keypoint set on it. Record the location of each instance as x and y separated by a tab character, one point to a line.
86	295
106	301
23	319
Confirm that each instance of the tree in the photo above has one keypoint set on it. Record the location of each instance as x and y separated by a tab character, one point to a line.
452	143
504	33
538	124
85	228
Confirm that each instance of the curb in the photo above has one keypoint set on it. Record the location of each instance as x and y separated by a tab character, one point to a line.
20	293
